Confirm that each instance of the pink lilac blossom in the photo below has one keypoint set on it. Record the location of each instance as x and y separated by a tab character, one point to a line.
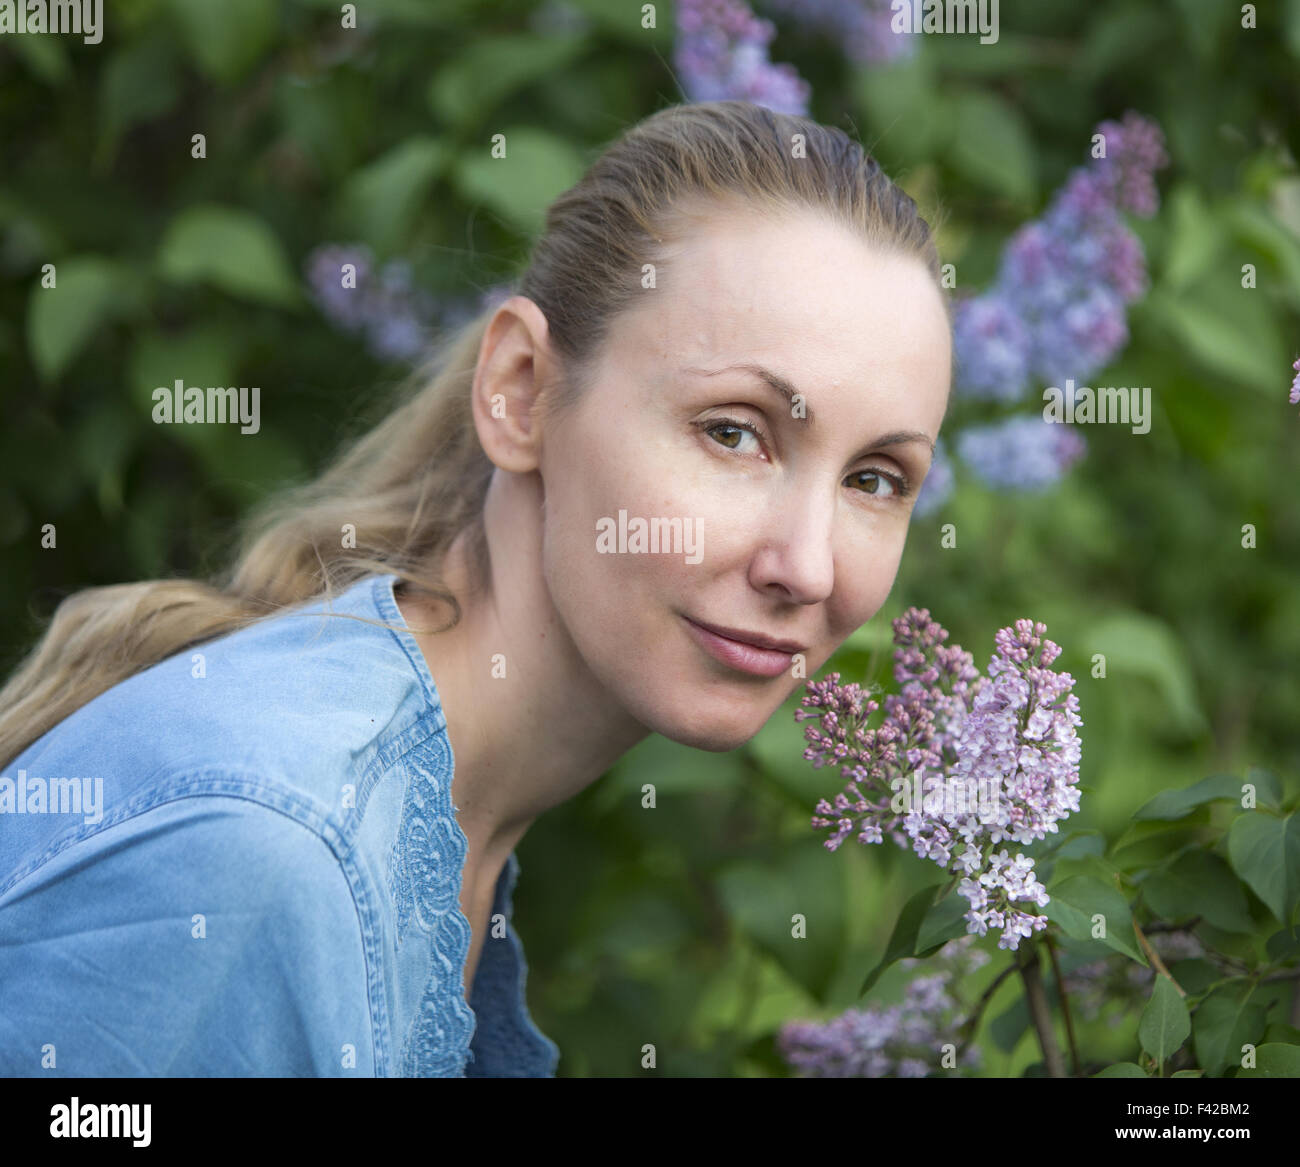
1005	744
721	54
896	1041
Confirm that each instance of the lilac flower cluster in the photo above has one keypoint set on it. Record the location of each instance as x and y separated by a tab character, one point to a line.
938	483
1025	452
992	759
397	318
897	1041
1295	385
1058	309
721	54
862	27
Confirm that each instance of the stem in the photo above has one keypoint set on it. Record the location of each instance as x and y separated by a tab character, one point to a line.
1154	958
972	1023
1065	1003
1040	1014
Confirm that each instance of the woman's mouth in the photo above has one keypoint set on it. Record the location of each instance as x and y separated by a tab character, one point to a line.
770	658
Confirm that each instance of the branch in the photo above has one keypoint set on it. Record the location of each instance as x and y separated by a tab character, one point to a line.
1040	1014
971	1024
1154	957
1065	1003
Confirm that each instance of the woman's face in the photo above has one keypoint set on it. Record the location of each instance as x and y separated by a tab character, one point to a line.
778	518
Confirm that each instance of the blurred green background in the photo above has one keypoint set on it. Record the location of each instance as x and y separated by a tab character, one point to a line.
669	926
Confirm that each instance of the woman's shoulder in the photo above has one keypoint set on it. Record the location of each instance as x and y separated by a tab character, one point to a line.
304	712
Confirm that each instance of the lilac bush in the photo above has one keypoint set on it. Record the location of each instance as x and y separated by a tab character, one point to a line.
991	759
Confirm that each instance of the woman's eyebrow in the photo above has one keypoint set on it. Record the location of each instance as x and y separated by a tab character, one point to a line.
783	386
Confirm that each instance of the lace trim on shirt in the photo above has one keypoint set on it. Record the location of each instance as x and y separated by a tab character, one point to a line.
424	875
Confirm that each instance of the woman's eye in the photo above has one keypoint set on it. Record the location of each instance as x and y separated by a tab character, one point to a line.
729	434
875	482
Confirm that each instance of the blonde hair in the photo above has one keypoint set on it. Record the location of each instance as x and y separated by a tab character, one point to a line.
418	479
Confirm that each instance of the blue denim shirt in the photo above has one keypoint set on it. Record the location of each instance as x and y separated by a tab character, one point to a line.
245	861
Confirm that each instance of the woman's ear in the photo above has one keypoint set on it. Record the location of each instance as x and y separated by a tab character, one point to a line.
514	365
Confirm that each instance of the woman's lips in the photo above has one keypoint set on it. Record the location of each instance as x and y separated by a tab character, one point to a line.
747	658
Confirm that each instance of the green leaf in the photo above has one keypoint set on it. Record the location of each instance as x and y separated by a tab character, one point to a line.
202	356
381	201
991	145
902	942
1274	1060
61	320
1075	902
1227	328
943	922
45	56
1009	1026
1144	646
1199	883
226	39
229	249
1194	975
491	68
1265	851
1283	945
537	166
905	108
1196	236
763	897
1223	1023
1122	1070
1169	805
139	83
1165	1023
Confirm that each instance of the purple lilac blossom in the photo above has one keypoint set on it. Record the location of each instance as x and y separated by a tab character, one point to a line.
1067	277
938	483
1295	385
992	346
861	27
895	1041
397	317
1025	452
1000	751
721	54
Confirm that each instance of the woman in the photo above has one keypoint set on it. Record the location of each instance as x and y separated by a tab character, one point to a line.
650	492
